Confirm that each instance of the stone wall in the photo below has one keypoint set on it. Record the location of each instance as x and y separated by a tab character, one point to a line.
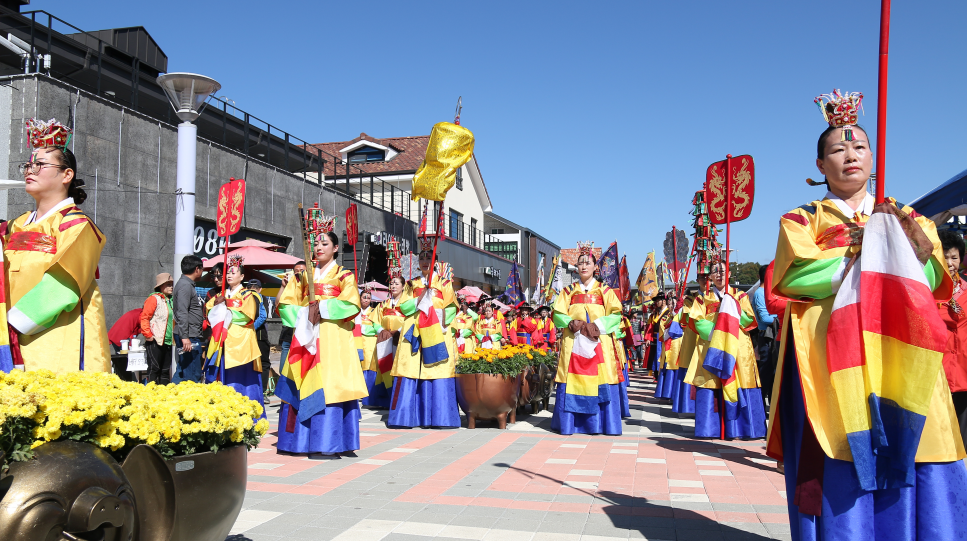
136	208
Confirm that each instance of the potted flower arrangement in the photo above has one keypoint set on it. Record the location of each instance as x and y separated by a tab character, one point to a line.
488	383
127	461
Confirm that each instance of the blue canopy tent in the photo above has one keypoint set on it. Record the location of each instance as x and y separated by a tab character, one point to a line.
945	201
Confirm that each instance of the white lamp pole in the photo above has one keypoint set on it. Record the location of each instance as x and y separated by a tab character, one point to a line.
188	93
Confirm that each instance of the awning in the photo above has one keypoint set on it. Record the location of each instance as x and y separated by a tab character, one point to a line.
947	200
257	258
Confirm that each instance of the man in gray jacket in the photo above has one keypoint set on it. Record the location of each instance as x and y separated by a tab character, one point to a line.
189	315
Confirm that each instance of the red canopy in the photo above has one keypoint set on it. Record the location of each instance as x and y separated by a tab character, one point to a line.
258	258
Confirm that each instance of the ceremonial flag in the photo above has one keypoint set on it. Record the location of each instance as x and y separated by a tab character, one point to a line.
514	293
556	282
410	266
723	348
385	351
647	278
539	288
608	266
220	319
586	390
431	332
884	354
487	342
624	281
298	385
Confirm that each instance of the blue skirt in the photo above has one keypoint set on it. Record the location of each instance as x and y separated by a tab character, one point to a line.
243	379
666	384
654	356
424	402
750	424
378	394
934	508
606	421
623	392
333	430
682	401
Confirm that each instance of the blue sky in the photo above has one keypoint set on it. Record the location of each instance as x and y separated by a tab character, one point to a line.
593	120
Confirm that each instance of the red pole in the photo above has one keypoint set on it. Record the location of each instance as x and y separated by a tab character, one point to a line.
728	237
881	100
225	265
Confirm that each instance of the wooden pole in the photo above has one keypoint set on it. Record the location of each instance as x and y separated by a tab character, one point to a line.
881	100
307	249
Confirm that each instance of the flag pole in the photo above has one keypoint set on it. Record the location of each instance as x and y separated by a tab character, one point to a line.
881	100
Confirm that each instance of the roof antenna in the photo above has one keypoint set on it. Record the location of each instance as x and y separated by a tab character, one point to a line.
456	116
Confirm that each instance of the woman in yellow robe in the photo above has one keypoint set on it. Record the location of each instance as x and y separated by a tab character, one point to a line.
807	430
424	392
53	303
587	400
235	359
488	329
462	327
322	381
364	332
388	320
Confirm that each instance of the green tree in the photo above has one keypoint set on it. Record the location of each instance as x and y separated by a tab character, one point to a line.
743	273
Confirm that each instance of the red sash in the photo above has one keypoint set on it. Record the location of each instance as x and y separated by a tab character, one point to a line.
587	298
32	241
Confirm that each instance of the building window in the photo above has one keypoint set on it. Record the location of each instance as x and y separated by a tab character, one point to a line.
497	231
507	250
473	231
366	154
460	178
456	225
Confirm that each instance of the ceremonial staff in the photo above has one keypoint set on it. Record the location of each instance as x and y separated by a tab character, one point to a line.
307	248
881	100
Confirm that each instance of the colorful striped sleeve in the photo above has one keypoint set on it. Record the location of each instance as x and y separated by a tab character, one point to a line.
39	308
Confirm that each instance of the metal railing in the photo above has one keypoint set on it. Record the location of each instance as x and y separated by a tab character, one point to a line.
456	229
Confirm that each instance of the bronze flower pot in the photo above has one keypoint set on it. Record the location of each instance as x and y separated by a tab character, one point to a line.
209	489
483	396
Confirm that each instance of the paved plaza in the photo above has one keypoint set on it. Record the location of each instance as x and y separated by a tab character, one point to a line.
523	483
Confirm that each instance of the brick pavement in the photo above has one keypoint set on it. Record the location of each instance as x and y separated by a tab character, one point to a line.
524	483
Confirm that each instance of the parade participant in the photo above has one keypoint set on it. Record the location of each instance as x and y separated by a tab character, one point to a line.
547	330
658	312
389	322
919	491
952	313
673	344
488	329
321	382
683	401
364	332
157	326
667	379
624	328
462	327
288	318
261	331
526	327
54	305
587	398
424	391
710	406
233	355
629	340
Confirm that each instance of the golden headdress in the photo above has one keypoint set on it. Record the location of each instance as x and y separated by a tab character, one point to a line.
841	110
48	134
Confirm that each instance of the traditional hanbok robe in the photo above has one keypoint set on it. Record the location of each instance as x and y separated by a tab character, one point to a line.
587	399
388	318
322	381
462	328
654	353
685	402
488	332
548	332
622	355
526	331
424	391
674	334
667	379
364	334
52	298
807	429
235	360
710	408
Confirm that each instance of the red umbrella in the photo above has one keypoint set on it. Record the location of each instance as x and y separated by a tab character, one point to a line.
253	243
471	293
259	258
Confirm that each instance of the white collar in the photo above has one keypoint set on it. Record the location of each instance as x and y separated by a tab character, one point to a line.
63	204
232	291
865	208
321	273
589	286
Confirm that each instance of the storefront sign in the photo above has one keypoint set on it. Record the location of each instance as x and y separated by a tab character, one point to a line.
208	244
493	272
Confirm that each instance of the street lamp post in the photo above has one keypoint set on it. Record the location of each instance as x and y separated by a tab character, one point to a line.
188	93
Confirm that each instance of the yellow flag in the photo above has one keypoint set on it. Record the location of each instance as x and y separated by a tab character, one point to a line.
647	279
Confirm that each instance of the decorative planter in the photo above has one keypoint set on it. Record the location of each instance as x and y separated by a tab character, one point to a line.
547	375
483	396
80	489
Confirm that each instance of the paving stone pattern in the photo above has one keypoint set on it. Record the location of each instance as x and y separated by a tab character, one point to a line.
524	483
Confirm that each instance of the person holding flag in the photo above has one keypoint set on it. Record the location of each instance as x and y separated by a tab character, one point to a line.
587	399
667	378
489	329
728	396
364	334
233	352
683	401
321	382
462	328
390	321
863	416
424	388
